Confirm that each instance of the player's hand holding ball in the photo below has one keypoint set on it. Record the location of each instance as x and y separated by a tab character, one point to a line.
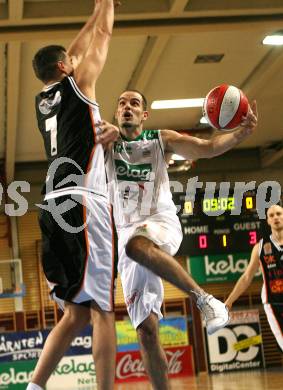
226	108
249	122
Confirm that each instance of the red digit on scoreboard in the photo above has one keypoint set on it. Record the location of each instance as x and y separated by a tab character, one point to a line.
202	240
253	238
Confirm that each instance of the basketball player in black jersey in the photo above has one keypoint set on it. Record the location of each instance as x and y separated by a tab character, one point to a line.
77	257
268	254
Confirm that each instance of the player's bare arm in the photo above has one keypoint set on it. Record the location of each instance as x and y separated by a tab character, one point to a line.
193	148
88	71
246	279
80	44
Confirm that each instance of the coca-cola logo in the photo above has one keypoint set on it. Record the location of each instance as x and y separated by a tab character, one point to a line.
175	364
131	366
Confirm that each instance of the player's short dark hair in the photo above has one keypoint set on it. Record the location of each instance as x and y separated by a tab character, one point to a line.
45	62
144	100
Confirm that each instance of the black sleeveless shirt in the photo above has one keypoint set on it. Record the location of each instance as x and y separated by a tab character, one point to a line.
271	259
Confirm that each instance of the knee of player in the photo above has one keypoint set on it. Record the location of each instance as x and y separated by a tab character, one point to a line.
135	248
77	319
148	334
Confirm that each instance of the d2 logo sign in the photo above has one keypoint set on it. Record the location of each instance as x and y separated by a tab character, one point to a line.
229	339
235	348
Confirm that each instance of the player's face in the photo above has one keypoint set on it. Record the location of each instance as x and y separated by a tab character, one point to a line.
130	113
275	217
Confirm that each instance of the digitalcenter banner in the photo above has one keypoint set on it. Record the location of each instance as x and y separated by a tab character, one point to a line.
238	346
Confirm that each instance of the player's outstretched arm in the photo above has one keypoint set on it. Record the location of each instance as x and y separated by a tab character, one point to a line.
246	279
88	71
194	148
80	44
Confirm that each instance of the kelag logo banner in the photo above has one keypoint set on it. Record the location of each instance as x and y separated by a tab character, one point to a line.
238	346
72	372
16	375
218	268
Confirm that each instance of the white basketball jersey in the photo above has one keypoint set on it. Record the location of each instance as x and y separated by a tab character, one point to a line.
138	179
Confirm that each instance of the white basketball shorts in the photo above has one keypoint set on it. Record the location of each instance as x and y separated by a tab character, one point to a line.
143	290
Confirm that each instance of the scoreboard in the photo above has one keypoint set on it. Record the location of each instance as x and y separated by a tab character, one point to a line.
209	226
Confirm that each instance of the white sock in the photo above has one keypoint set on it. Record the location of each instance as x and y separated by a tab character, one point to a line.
33	386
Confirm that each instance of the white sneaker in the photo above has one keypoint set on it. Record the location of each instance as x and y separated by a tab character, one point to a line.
216	314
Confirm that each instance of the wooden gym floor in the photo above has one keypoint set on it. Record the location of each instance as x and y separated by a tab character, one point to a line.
250	380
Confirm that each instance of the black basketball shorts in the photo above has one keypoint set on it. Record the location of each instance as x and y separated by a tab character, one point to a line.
78	249
274	313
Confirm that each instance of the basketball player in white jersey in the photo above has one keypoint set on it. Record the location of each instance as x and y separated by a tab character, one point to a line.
148	229
78	263
268	254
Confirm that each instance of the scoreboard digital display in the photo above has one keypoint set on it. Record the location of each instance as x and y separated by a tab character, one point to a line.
209	226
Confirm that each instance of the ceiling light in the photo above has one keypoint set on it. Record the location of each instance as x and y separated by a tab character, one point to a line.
273	40
177	103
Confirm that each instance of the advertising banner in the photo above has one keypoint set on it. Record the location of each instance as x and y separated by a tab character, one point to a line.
172	332
72	372
218	268
16	376
130	368
79	371
238	346
19	353
28	345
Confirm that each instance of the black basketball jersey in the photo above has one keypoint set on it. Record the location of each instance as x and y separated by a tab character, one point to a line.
271	259
68	122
